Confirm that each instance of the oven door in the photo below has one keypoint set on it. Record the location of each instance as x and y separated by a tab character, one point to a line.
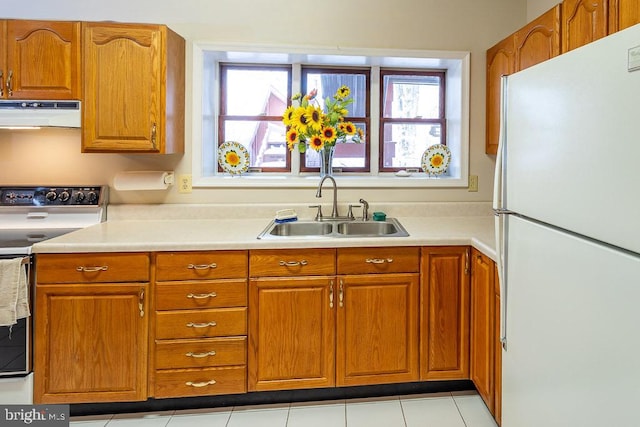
16	340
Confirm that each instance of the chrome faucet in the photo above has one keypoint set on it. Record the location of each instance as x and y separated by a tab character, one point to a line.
334	211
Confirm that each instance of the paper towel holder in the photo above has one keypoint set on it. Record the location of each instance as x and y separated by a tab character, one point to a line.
143	180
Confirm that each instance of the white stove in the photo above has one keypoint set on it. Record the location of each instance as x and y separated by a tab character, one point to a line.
29	215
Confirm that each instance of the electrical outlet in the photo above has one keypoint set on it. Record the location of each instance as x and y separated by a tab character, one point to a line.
184	184
473	183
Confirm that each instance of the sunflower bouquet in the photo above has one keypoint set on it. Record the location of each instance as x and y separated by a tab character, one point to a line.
308	124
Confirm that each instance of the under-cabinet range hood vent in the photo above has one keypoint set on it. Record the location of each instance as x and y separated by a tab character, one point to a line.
20	114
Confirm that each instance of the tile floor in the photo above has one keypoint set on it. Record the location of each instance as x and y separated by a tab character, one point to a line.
457	409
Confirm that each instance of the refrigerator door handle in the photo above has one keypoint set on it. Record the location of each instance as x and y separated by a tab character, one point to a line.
499	175
501	243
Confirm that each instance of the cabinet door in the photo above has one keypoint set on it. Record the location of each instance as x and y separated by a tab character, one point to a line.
122	88
539	40
482	326
623	14
291	333
500	62
91	343
583	21
43	60
497	413
444	314
377	339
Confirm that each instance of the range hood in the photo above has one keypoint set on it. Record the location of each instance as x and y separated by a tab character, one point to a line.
16	114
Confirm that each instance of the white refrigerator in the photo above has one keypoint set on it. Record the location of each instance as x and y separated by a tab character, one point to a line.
567	201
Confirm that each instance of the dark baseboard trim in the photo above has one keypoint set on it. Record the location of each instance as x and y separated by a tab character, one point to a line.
267	397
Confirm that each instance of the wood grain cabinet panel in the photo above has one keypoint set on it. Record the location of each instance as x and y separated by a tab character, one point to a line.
483	326
444	314
500	62
378	260
93	268
583	21
201	323
623	14
198	353
292	262
200	382
539	40
91	336
39	59
185	295
201	265
133	88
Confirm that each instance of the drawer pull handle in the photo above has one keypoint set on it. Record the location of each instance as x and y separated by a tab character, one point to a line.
201	325
202	296
92	269
200	384
378	260
202	266
293	263
201	355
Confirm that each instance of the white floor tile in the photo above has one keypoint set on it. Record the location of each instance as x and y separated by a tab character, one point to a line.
385	412
209	417
259	415
473	410
141	419
431	410
317	414
90	420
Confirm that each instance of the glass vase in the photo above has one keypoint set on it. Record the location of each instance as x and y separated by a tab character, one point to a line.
326	160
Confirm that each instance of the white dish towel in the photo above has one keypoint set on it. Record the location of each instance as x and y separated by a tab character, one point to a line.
14	293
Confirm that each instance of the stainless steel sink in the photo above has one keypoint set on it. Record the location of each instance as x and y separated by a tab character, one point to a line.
333	228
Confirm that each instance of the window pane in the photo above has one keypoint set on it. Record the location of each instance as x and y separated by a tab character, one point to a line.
264	140
328	83
255	92
404	143
347	155
407	96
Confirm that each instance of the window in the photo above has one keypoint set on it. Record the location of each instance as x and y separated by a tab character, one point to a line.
253	99
349	156
405	101
413	117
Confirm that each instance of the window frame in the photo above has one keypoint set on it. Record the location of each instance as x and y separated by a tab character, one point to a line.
203	57
441	120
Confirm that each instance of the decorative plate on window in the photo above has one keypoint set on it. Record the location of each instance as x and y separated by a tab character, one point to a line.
233	157
435	159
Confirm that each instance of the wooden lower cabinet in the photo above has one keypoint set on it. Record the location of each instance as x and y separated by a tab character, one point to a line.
91	335
483	339
444	313
291	333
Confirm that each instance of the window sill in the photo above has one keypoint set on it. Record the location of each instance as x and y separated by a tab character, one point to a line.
416	180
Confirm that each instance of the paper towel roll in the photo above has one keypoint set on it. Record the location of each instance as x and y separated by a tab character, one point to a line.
142	180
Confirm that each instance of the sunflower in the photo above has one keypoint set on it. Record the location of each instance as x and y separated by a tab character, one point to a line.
314	117
328	134
342	92
347	127
316	142
287	117
292	138
299	119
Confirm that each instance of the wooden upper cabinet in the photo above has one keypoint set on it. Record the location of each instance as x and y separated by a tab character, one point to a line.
500	62
623	14
583	21
539	40
39	59
133	88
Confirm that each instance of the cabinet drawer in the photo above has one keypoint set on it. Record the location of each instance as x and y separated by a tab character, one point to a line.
201	294
173	354
378	260
86	268
201	323
201	265
292	262
201	382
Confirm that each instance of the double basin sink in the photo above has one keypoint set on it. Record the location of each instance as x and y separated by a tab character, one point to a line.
334	228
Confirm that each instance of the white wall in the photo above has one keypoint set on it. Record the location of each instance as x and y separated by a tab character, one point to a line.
536	8
464	25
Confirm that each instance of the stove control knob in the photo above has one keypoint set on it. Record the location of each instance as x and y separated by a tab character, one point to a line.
64	196
93	197
80	196
51	196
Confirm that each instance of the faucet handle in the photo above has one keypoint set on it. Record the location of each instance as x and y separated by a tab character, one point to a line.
318	212
350	211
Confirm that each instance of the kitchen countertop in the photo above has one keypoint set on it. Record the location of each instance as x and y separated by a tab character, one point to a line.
143	235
